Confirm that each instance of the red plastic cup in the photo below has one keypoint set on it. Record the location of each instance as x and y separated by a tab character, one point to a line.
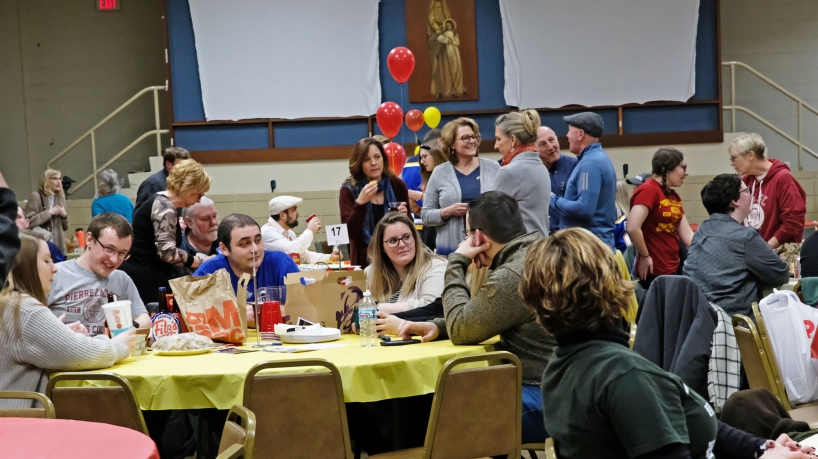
296	257
269	316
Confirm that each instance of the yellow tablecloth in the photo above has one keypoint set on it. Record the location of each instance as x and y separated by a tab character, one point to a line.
217	380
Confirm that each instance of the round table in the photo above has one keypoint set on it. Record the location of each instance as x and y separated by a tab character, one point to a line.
216	380
59	438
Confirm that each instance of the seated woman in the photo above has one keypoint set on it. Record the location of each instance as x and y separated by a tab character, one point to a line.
108	197
32	340
600	398
404	274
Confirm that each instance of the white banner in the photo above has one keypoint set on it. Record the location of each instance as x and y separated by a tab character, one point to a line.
593	52
287	58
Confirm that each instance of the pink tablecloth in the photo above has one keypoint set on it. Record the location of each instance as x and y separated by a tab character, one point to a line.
57	438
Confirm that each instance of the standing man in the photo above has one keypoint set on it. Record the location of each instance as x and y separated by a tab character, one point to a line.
201	229
779	203
82	286
559	167
590	194
159	181
278	232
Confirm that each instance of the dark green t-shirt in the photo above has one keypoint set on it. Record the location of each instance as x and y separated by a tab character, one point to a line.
601	399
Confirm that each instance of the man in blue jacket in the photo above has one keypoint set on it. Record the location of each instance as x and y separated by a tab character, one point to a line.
591	189
241	249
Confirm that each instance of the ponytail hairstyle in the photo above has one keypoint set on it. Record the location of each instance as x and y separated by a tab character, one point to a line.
665	160
523	125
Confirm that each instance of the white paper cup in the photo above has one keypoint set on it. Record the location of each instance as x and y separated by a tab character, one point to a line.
118	315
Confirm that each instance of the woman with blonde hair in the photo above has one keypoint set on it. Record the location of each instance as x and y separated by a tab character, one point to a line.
371	191
523	175
453	185
32	340
46	208
624	190
430	156
108	198
155	253
403	273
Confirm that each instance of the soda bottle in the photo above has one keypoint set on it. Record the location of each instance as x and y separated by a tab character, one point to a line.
367	313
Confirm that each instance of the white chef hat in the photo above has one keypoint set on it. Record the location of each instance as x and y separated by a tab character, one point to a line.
282	203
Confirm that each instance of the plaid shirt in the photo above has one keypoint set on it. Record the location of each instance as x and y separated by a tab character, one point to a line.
723	376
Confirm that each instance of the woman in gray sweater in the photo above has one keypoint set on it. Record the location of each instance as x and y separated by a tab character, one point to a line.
33	341
455	184
523	175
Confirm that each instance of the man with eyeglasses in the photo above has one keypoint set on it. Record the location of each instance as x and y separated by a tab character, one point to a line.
729	261
81	286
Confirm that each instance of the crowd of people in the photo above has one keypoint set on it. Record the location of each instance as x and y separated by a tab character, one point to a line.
527	248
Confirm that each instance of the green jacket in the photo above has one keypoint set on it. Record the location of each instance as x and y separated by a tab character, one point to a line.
497	308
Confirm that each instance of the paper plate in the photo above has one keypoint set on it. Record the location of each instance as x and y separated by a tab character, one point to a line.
191	352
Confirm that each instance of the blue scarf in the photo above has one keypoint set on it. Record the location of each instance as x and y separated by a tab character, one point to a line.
388	196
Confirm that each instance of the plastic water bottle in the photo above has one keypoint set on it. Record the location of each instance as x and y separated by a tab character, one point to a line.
367	313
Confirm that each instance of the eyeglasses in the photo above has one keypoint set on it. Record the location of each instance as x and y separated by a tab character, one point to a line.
110	251
470	138
394	241
470	233
747	190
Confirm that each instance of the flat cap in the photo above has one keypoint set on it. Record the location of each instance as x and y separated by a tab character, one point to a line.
282	203
589	122
639	179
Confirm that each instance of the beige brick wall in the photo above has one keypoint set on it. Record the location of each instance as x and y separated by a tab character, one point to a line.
322	203
325	203
696	212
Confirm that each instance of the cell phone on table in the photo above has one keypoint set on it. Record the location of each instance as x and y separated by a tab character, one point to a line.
233	350
400	342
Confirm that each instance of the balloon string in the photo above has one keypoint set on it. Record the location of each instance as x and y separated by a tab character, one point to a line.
401	107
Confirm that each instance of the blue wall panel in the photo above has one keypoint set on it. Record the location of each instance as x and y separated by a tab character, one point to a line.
187	91
223	137
670	119
184	65
319	133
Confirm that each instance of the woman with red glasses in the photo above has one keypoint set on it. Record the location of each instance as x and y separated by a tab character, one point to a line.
657	224
453	185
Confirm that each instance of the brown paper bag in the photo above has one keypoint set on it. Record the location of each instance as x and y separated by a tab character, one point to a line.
210	308
331	301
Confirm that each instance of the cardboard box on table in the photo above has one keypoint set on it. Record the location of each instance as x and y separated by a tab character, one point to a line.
331	301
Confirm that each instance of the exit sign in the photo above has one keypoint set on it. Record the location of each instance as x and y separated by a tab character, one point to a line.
107	5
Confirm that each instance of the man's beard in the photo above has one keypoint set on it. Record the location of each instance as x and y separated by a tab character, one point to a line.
293	223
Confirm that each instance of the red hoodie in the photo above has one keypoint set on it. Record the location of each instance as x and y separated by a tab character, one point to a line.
779	204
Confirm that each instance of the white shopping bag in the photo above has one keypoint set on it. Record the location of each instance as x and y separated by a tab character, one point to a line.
791	326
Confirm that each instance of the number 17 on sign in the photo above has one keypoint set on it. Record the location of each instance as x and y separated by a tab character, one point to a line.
336	236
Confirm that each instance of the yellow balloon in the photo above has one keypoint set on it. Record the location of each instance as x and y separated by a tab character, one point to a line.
432	117
417	149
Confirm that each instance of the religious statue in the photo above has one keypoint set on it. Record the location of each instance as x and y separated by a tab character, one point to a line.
444	51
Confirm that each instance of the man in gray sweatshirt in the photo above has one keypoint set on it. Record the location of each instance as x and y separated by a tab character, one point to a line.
496	237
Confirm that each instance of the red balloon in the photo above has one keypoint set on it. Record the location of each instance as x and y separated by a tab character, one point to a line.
397	156
401	63
390	118
414	120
